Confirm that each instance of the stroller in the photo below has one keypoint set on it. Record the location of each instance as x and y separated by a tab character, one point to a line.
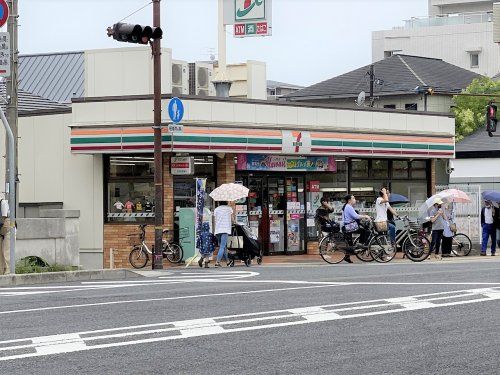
244	246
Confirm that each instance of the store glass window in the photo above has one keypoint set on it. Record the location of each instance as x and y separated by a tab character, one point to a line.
400	169
129	188
380	169
359	169
418	169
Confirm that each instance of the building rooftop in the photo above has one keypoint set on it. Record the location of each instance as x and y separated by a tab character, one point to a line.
478	144
273	84
29	102
395	75
57	77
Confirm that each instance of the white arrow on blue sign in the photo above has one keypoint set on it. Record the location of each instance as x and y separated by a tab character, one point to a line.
176	110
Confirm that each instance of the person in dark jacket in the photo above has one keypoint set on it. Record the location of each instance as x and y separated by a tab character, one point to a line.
488	215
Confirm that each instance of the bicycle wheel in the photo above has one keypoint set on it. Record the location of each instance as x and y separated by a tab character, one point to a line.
417	249
138	258
330	252
381	248
174	253
461	245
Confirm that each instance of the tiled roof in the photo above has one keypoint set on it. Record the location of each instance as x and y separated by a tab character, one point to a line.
479	142
54	76
398	74
29	102
497	77
273	84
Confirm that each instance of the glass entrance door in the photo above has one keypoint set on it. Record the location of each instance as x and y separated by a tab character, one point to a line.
295	215
276	205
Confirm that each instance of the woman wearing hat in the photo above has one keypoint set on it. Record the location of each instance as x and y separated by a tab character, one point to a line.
438	220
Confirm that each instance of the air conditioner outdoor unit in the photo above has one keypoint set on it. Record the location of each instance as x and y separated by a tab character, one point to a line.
200	79
496	22
180	75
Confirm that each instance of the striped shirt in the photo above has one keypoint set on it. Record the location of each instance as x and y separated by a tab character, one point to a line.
223	222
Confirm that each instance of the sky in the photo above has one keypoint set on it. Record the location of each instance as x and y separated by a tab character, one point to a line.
312	40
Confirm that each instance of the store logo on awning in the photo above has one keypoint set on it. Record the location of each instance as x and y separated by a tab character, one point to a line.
296	142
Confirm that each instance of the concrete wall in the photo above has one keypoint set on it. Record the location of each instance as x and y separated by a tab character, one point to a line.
124	71
53	237
249	80
480	171
450	43
50	173
234	114
458	6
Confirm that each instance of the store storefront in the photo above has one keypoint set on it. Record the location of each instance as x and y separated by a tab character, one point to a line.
287	171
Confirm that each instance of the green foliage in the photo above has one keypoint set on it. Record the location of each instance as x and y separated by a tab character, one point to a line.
34	264
470	111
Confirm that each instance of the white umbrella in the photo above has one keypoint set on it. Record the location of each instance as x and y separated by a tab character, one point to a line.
229	192
447	196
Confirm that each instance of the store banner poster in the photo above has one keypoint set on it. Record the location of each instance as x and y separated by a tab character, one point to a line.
274	231
200	206
279	163
182	165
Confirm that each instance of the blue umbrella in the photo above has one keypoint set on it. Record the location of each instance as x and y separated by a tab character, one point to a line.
398	198
491	195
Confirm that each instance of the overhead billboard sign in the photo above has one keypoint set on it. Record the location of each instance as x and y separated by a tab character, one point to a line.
249	17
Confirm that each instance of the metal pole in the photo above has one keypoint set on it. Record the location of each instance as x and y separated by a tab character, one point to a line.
157	263
11	86
11	191
372	81
425	102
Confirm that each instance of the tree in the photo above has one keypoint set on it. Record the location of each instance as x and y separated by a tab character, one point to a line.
470	111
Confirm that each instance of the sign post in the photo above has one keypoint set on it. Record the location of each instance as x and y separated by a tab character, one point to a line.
176	113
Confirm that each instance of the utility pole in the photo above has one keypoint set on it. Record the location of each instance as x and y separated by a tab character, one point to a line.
372	82
157	263
11	88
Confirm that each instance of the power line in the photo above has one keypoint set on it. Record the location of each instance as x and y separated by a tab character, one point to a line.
137	11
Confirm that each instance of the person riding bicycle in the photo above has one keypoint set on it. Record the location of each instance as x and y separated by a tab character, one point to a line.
323	221
351	220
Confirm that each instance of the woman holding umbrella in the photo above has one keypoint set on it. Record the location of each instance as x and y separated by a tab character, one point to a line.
224	214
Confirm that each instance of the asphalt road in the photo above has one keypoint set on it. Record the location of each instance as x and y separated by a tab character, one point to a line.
430	318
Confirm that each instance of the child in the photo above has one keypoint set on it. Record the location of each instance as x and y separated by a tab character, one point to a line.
207	245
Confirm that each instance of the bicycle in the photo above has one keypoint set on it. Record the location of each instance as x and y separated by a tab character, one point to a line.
139	256
413	241
336	245
380	247
461	245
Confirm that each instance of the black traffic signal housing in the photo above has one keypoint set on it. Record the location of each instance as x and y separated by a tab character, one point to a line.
491	119
130	33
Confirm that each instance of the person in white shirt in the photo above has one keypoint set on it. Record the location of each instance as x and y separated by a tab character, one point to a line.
382	206
4	238
223	226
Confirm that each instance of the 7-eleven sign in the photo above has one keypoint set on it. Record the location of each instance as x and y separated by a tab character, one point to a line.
249	17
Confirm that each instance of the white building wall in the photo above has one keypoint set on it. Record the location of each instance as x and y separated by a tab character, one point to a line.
50	173
124	71
480	171
451	43
458	6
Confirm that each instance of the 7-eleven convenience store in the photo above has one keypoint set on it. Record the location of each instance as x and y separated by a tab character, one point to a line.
289	155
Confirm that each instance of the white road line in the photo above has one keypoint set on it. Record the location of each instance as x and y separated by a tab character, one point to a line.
184	329
163	299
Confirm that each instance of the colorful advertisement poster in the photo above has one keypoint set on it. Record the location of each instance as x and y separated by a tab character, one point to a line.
280	163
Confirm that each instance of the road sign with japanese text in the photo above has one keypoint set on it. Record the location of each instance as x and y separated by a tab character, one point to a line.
4	55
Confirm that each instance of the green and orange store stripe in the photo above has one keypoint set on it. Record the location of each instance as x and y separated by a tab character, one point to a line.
210	139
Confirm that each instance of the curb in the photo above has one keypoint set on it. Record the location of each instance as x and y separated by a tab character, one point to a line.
67	276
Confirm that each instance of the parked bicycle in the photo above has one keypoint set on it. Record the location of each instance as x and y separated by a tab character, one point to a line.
413	241
335	245
139	256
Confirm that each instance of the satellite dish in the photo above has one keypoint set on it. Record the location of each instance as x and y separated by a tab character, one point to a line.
361	99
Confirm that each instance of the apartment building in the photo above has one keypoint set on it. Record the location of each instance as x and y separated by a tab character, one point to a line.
459	32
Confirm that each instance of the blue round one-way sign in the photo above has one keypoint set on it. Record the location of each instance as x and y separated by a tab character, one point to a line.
4	12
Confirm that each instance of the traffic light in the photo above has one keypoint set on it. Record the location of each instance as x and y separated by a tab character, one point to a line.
491	119
126	32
